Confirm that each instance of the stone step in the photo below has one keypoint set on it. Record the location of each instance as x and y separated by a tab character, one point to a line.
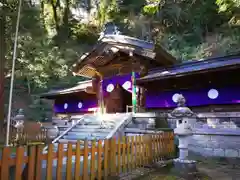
78	128
64	126
86	133
87	127
73	142
94	132
65	141
72	137
91	130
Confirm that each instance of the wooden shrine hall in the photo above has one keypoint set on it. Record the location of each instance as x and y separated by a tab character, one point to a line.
112	66
128	72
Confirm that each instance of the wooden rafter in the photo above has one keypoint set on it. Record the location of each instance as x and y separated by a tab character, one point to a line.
112	56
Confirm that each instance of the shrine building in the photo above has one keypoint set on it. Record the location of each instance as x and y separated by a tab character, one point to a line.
128	74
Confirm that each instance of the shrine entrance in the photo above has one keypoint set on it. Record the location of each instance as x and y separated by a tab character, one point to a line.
114	55
118	100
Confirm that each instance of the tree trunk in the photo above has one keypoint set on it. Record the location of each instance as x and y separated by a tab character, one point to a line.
55	15
66	18
2	59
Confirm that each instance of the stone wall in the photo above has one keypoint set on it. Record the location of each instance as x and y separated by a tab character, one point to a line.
216	142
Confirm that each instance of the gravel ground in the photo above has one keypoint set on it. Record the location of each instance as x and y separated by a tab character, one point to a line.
136	174
159	171
209	169
220	170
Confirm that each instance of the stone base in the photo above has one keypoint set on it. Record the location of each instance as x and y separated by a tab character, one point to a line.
185	168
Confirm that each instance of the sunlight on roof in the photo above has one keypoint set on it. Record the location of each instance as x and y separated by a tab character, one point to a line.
165	72
83	56
114	49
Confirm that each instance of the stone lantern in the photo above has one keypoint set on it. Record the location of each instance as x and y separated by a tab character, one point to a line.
52	132
19	120
18	123
185	120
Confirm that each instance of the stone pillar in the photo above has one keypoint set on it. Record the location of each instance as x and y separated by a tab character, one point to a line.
185	119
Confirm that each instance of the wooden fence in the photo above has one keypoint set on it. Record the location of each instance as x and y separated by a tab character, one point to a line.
25	137
31	133
100	161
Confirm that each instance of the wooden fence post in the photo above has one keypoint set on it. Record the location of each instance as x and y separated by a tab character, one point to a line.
6	155
128	154
113	157
77	161
19	163
49	162
172	145
137	151
150	149
69	161
59	161
119	153
29	170
123	154
93	163
99	164
106	158
133	150
38	162
85	160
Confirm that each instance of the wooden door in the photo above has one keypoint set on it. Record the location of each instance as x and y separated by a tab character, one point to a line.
117	100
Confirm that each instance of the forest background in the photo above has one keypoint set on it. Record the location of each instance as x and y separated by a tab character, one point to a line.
55	33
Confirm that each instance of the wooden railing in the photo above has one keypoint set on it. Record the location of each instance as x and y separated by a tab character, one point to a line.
24	137
101	160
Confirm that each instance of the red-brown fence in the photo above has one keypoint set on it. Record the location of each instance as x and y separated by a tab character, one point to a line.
100	161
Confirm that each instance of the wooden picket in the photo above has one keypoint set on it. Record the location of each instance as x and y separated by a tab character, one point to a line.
99	161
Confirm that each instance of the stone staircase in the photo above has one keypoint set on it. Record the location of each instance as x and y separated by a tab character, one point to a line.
93	127
96	127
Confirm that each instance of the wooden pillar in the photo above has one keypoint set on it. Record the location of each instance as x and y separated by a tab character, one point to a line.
142	90
97	87
141	98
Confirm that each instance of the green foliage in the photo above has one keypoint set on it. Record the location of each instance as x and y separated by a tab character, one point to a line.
44	59
52	38
152	7
228	5
231	8
85	34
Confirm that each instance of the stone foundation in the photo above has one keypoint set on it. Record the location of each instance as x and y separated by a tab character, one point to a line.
216	142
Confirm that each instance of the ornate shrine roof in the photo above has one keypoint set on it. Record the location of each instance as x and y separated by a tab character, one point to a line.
80	87
197	66
113	46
